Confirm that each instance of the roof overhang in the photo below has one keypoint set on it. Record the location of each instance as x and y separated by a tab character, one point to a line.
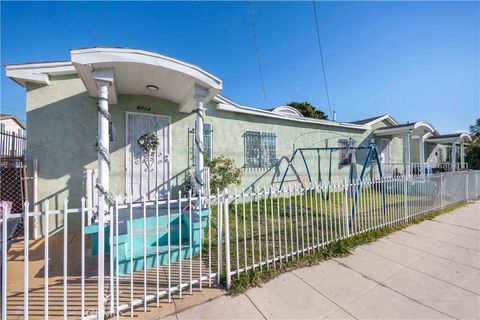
38	72
386	117
225	104
451	138
419	128
133	70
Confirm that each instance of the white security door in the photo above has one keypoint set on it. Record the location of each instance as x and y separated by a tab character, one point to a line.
385	150
147	172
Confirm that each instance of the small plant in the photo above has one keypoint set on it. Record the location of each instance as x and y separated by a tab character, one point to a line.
187	184
223	172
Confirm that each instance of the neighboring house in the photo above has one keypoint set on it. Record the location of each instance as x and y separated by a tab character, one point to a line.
11	124
146	92
13	141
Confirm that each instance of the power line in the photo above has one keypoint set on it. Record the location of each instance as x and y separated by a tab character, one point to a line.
252	18
321	57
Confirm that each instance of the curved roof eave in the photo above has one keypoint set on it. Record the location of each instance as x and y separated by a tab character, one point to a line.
97	55
287	110
452	138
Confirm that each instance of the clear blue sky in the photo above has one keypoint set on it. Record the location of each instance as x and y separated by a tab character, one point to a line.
417	61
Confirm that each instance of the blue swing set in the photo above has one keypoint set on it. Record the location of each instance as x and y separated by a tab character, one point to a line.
372	154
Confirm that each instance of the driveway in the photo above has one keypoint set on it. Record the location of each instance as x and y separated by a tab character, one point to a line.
427	271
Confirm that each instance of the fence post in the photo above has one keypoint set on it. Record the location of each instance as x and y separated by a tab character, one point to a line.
101	259
347	226
227	239
405	201
36	219
219	236
12	148
466	185
4	258
441	189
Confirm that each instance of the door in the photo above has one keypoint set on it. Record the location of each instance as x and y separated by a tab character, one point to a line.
147	172
385	150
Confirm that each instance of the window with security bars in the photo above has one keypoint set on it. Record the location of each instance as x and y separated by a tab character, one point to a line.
345	152
260	149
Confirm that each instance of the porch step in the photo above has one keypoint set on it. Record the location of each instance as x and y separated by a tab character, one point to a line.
138	243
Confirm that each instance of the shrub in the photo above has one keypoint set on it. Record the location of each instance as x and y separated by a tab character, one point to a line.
223	172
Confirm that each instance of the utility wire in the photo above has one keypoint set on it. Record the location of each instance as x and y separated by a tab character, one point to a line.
252	18
321	57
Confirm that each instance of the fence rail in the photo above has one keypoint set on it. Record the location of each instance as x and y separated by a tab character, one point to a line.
12	145
399	168
155	250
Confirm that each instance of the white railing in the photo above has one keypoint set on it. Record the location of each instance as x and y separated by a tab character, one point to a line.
271	227
392	169
155	249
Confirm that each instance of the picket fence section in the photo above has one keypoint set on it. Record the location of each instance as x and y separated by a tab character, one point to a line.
155	250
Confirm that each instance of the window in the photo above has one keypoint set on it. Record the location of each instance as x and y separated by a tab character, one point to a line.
260	149
448	154
345	154
2	127
207	143
111	131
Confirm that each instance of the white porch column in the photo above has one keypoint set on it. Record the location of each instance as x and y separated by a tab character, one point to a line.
422	140
462	155
408	168
200	94
454	156
103	148
103	79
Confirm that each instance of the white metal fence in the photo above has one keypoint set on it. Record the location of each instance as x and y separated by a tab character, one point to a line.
399	168
155	250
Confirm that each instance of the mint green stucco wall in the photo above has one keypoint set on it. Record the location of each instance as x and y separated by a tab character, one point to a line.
62	121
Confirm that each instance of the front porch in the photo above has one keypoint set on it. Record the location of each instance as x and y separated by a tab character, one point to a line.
415	160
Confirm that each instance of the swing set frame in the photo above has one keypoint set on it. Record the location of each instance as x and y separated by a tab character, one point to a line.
371	154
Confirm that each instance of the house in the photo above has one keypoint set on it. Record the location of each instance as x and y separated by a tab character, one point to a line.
89	113
13	141
9	123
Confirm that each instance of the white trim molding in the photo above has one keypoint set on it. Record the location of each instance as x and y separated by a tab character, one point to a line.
38	72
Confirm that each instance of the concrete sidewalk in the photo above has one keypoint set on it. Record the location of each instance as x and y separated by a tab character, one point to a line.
426	271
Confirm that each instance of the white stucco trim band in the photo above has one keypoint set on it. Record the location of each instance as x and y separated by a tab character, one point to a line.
265	113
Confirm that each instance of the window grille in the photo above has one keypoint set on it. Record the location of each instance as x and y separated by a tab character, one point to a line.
260	149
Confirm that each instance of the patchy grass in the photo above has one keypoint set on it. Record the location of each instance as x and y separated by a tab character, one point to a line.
342	247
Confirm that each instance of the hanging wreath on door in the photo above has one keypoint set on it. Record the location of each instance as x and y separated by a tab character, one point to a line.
148	141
